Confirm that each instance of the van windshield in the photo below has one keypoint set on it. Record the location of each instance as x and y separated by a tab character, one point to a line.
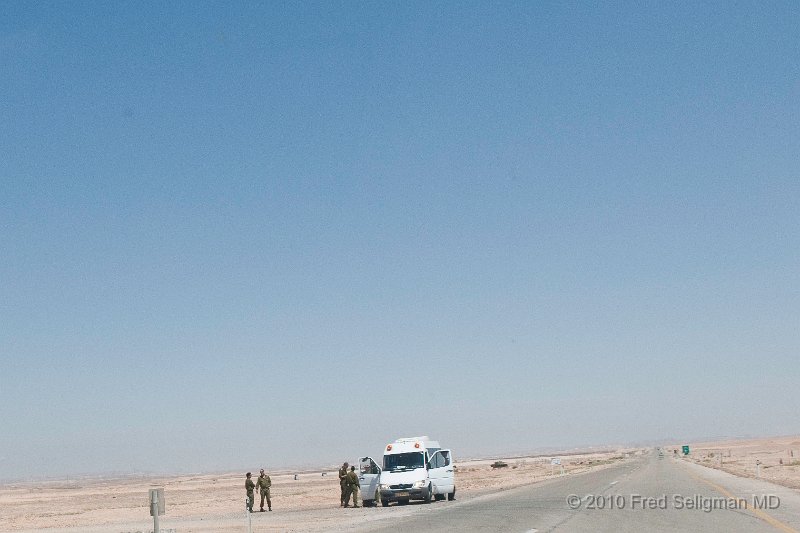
403	461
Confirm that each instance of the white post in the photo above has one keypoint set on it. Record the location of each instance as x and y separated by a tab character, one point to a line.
247	511
758	469
154	507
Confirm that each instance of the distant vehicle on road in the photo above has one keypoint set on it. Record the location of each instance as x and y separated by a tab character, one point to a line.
416	468
499	464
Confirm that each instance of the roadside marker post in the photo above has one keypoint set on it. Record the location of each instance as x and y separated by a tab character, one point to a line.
247	512
157	507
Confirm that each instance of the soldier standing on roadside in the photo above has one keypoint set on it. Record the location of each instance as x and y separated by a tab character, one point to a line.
264	483
352	488
249	486
343	483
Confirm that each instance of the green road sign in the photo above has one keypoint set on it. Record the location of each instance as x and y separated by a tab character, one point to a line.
685	450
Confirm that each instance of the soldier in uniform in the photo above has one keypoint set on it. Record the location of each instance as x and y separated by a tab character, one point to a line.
249	486
264	483
343	482
352	488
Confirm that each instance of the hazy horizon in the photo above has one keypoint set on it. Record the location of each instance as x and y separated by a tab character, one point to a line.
313	466
250	234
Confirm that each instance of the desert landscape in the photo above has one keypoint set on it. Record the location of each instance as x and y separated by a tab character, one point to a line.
773	459
308	500
216	502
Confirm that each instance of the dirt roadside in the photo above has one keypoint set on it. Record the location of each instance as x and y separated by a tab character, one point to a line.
211	503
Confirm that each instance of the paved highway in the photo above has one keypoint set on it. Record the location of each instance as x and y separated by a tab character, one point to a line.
649	494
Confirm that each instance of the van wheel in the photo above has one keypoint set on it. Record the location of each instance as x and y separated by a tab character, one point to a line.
385	503
452	495
428	494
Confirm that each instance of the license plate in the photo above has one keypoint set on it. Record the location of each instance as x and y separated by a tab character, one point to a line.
401	495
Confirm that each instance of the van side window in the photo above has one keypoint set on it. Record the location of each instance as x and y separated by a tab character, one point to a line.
445	458
436	461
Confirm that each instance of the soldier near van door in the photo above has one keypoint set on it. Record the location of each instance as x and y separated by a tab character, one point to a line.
249	486
263	483
343	482
352	488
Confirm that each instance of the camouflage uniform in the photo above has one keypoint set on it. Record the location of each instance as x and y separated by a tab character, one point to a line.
250	487
343	483
264	483
352	488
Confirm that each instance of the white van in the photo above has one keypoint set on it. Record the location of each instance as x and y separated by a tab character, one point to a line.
414	468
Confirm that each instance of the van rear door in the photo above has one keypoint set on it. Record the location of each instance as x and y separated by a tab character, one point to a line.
368	479
446	474
436	473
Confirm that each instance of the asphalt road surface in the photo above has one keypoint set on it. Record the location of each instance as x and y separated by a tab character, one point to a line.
648	494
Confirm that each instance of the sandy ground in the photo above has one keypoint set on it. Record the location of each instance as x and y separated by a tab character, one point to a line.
216	502
779	458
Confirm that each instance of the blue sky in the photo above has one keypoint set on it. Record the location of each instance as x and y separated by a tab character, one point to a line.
242	235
